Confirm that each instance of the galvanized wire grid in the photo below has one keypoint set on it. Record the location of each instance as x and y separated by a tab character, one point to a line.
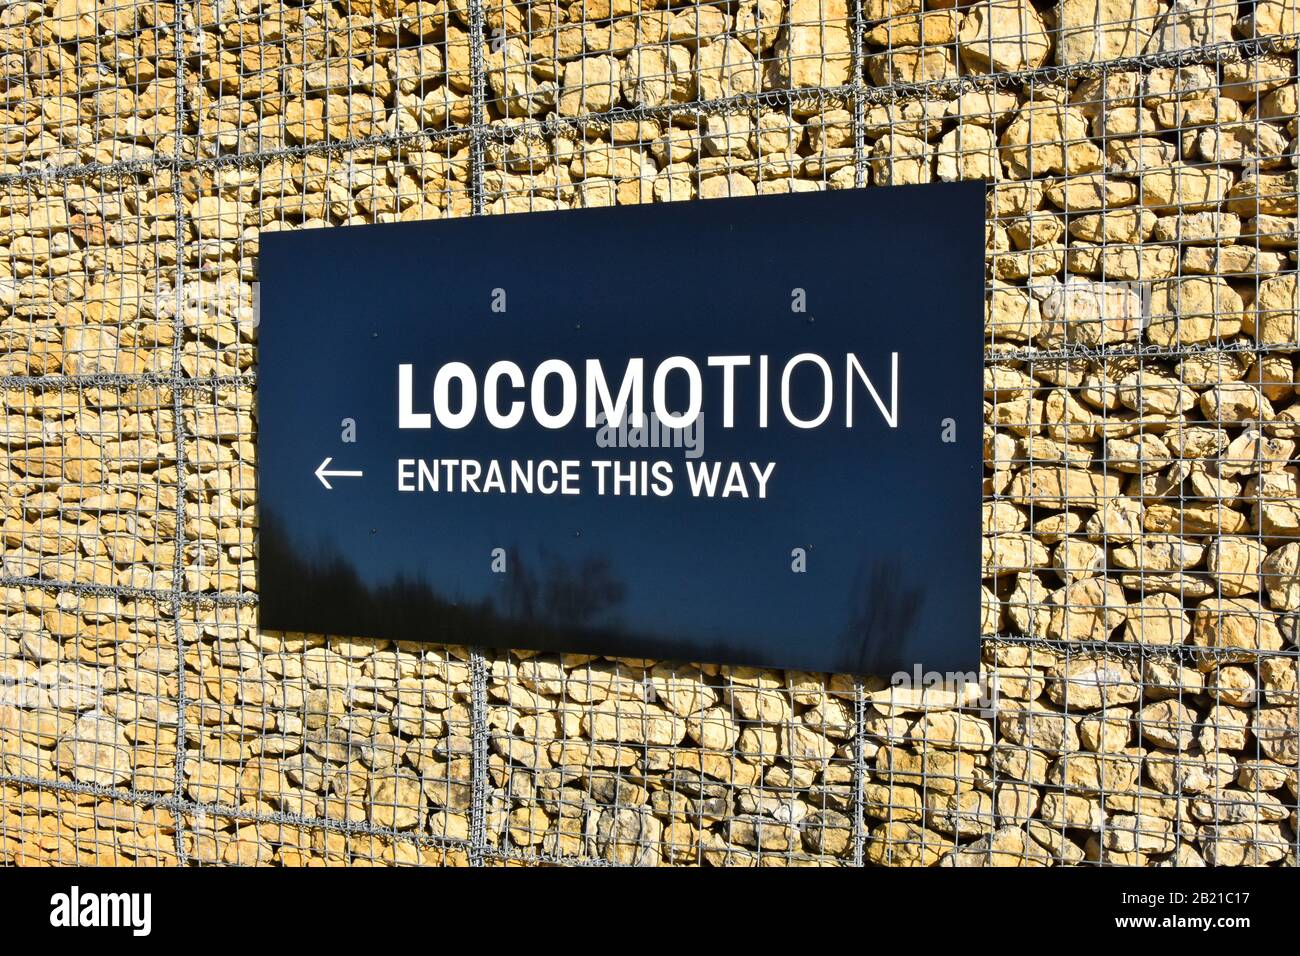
1142	574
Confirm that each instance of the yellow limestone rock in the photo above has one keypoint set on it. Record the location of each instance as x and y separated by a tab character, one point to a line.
814	48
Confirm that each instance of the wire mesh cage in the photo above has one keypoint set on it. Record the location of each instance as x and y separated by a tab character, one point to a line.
1137	700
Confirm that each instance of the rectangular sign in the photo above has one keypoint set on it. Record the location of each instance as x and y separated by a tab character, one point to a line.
737	431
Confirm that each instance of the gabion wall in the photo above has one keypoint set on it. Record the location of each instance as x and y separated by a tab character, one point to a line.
1142	516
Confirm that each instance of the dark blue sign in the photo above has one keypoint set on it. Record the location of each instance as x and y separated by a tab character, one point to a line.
740	431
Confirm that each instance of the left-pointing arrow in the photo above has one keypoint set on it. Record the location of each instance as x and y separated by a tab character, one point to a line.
323	475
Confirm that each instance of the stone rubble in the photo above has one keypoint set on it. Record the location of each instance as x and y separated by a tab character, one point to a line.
1141	420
